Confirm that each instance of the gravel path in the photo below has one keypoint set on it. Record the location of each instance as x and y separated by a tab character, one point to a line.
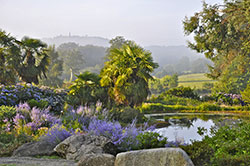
29	161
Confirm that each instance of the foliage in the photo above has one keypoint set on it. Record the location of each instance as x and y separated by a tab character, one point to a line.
34	60
221	33
126	114
246	94
14	94
29	120
42	104
199	152
125	138
209	107
86	90
148	140
173	100
9	51
127	73
228	145
7	113
9	141
55	70
229	99
158	107
158	86
72	58
57	134
185	92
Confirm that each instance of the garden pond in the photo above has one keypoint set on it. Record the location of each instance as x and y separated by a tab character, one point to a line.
183	127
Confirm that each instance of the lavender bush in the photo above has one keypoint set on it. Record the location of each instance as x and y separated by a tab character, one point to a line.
57	134
29	120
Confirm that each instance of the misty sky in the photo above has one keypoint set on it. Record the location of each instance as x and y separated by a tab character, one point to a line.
148	22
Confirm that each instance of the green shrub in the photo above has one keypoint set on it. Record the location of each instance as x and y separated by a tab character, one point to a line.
148	140
7	113
158	107
10	141
173	100
42	104
199	152
228	145
182	91
209	107
126	114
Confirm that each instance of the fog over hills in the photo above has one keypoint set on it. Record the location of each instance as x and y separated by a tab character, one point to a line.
161	54
81	40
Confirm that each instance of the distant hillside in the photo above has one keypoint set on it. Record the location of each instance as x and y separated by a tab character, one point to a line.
172	54
81	40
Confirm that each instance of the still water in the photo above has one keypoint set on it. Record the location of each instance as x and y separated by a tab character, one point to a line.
183	127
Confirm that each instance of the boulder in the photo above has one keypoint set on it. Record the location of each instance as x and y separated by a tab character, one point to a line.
76	146
97	160
152	157
39	148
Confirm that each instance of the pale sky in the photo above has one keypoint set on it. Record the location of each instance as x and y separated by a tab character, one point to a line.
148	22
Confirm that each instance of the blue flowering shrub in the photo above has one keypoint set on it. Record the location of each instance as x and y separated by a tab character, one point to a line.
37	97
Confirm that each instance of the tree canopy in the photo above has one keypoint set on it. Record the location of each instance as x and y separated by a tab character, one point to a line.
26	59
221	32
127	72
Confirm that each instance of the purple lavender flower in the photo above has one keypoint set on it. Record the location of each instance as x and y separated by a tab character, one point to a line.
57	134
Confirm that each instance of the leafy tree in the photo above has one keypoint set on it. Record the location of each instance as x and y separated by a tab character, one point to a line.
9	58
73	59
127	73
158	86
34	60
221	32
55	69
86	90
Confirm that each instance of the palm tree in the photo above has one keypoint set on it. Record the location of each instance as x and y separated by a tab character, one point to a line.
35	60
86	90
127	74
9	58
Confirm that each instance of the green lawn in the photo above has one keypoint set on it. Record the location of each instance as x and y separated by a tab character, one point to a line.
194	80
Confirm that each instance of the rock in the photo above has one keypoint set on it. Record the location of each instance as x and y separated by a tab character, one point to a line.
153	157
76	146
97	160
39	148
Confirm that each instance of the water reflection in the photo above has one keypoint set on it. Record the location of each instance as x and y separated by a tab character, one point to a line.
183	127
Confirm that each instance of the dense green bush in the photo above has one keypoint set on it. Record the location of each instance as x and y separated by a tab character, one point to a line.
86	90
6	114
148	140
126	114
209	107
173	100
9	141
42	104
158	107
228	145
182	91
200	153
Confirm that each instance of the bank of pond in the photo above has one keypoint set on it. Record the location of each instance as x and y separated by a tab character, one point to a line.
213	130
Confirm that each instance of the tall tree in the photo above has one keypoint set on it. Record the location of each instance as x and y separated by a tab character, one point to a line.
9	58
55	69
221	32
127	73
35	60
73	59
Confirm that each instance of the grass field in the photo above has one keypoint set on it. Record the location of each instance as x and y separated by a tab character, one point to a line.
194	80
